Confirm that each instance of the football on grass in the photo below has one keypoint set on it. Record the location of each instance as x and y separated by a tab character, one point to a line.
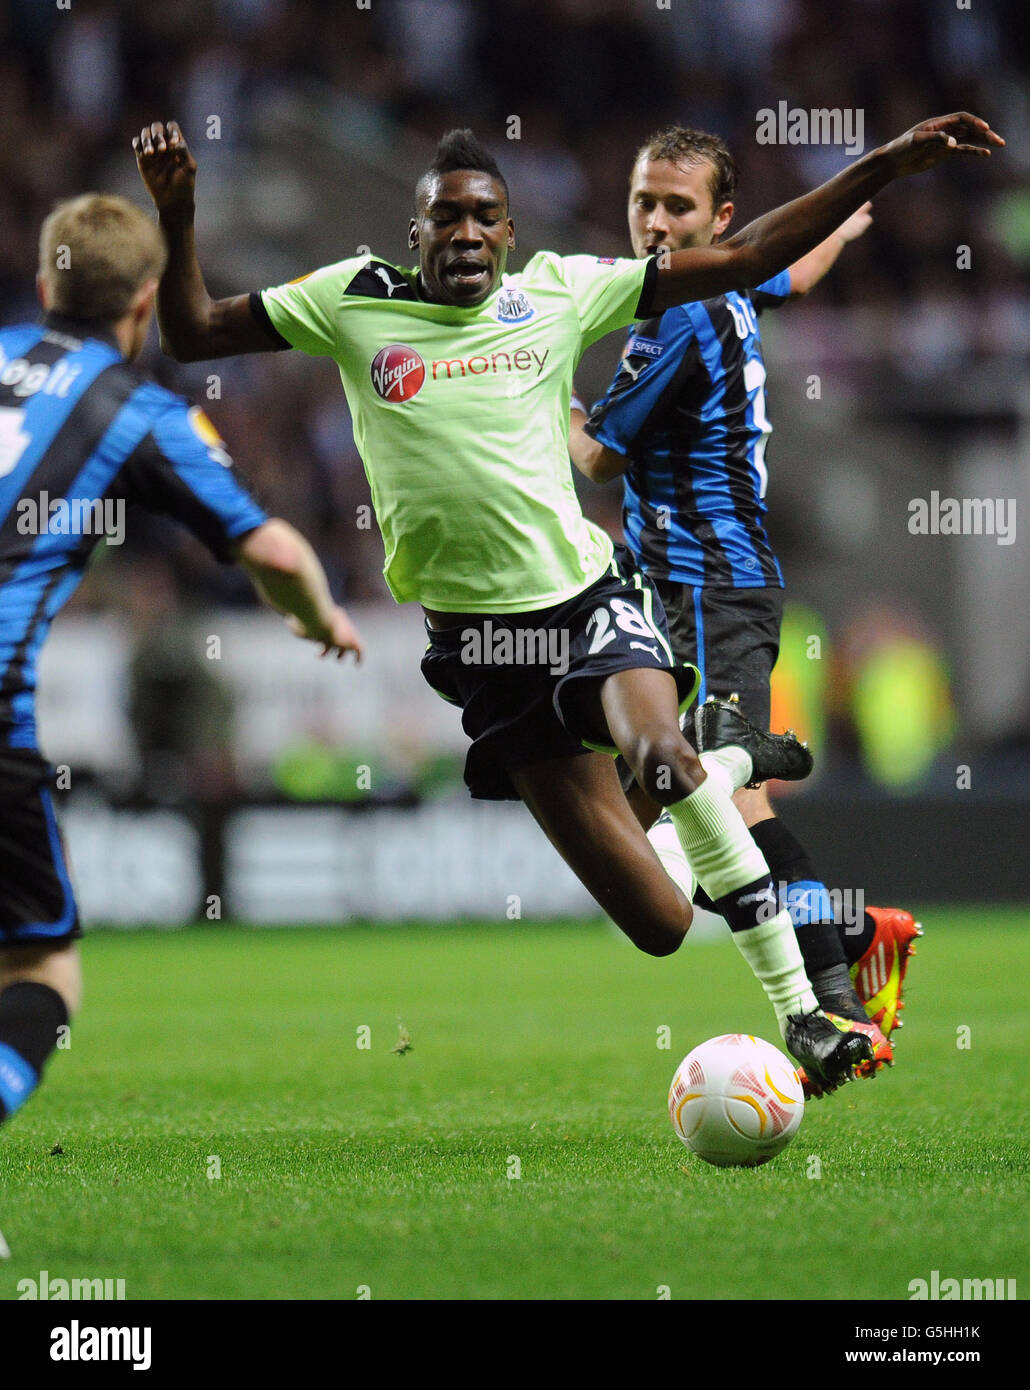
736	1101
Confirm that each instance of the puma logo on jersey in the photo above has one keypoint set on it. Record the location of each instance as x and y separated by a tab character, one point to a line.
379	280
646	647
391	287
647	348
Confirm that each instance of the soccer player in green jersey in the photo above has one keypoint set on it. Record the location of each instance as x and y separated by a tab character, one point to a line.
458	379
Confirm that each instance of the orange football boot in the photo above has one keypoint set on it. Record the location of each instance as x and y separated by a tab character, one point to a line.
878	975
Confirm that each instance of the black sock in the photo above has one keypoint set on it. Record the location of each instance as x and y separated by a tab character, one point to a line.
750	905
823	942
856	943
787	858
789	864
30	1016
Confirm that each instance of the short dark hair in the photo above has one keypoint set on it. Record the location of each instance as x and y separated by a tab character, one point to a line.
459	149
681	145
112	248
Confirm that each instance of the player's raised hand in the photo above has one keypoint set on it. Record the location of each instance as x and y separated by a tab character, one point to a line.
856	224
932	142
336	633
166	165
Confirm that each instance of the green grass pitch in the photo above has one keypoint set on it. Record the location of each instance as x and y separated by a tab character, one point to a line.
534	1051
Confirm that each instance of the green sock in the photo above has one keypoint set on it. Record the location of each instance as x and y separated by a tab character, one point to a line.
729	767
666	844
771	949
716	841
720	850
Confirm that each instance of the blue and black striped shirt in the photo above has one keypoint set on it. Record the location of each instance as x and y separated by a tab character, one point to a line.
687	408
82	431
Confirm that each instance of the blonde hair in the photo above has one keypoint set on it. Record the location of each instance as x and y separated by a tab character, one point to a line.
95	251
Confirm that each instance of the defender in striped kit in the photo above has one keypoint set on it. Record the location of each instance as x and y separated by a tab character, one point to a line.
82	436
685	424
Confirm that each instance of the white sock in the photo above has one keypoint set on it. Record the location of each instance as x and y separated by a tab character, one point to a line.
719	848
716	841
771	949
666	844
729	767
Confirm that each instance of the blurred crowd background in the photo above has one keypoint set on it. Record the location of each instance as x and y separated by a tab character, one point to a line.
324	113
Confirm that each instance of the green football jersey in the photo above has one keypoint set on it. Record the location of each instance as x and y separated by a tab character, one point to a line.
461	417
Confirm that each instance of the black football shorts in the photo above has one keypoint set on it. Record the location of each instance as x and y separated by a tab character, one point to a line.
527	683
37	903
732	636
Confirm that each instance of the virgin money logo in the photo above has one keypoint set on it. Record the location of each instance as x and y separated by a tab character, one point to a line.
398	373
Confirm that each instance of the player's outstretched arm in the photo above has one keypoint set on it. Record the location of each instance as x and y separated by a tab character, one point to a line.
806	273
288	576
194	327
783	236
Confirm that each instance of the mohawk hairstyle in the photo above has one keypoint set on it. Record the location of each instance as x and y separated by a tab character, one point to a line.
459	149
681	145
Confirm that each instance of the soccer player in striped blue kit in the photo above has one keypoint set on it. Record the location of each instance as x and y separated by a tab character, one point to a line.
684	423
82	435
